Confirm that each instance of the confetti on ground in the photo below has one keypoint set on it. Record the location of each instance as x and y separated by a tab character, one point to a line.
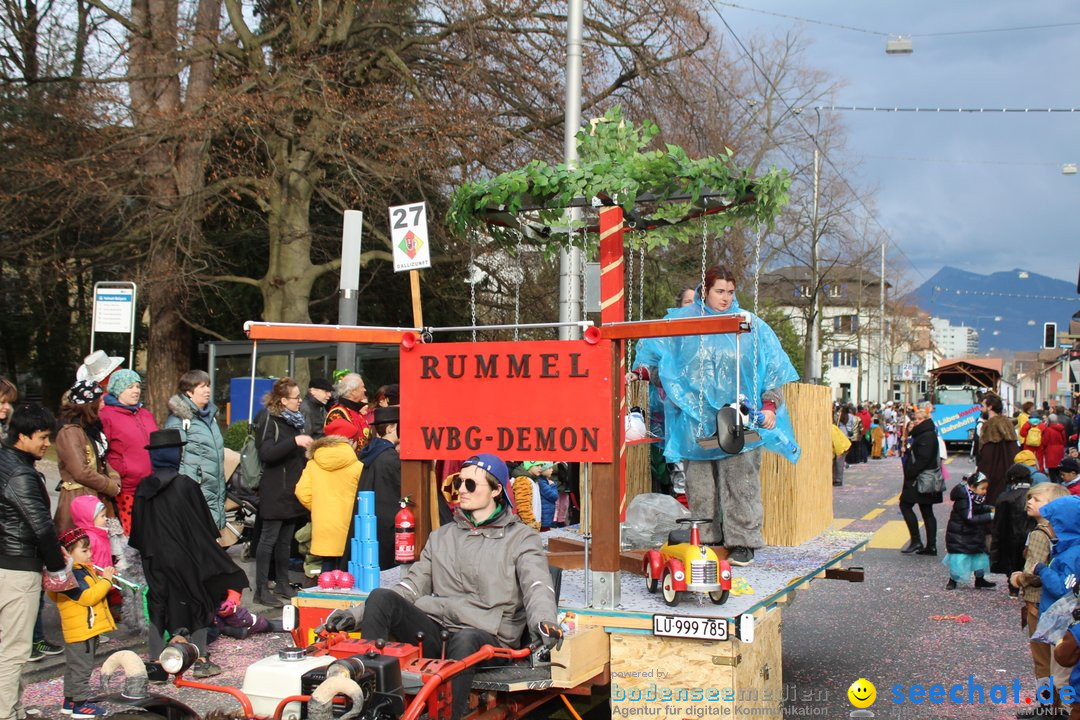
958	618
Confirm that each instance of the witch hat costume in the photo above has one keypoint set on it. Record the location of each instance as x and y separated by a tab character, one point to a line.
187	571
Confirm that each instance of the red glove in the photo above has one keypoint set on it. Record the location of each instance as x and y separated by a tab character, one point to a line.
231	603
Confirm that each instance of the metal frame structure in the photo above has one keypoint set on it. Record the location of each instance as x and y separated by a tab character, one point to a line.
218	349
604	483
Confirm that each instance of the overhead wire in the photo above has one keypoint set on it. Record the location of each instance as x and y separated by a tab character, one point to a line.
881	33
996	30
802	19
962	110
813	138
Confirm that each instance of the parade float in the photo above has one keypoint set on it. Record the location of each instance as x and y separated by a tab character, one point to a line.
712	653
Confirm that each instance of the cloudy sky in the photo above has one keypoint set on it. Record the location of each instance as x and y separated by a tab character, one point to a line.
981	192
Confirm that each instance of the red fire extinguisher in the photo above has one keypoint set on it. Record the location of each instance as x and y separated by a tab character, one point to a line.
404	533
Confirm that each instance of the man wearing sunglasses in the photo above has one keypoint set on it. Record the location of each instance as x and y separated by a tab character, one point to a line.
483	578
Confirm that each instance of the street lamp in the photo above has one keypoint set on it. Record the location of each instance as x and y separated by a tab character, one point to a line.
898	45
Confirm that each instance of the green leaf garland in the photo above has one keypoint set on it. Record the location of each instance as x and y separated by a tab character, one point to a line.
616	168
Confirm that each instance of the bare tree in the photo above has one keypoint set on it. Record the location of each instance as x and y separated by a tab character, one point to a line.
761	106
52	216
719	99
345	106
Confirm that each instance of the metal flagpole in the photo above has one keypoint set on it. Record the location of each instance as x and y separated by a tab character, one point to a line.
251	387
815	312
881	329
570	258
349	284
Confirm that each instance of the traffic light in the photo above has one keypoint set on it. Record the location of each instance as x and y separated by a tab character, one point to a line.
1049	335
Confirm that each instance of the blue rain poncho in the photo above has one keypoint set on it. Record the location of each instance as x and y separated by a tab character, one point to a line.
690	363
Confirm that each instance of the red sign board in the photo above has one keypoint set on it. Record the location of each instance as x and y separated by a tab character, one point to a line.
544	400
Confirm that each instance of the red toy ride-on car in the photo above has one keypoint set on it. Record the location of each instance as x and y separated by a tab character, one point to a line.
680	567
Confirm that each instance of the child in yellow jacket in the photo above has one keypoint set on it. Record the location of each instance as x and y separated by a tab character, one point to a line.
84	617
327	488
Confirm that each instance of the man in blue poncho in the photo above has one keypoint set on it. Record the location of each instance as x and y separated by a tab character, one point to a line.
697	374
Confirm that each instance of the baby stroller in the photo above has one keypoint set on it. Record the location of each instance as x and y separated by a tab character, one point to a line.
241	506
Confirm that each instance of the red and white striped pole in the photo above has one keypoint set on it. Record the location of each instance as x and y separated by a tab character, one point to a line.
613	310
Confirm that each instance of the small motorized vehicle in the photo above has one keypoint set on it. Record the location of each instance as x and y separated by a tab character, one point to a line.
680	567
335	678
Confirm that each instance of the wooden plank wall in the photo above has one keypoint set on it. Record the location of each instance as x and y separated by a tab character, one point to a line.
798	498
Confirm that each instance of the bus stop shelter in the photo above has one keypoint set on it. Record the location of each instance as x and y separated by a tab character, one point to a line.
293	350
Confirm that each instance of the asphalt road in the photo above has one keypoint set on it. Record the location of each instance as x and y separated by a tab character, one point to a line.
898	627
884	629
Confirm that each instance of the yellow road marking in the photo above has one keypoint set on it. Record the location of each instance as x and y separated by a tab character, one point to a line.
873	513
891	536
948	460
841	523
894	500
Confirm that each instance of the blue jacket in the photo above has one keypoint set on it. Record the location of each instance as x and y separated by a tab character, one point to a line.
1074	676
549	498
1064	517
203	459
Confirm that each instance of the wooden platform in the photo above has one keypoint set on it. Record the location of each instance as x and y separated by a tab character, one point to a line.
774	575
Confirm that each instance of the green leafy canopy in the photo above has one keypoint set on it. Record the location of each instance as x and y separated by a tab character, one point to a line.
616	166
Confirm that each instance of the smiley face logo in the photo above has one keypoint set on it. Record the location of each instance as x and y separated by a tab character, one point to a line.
862	693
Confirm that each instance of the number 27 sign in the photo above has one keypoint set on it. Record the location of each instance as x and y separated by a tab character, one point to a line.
409	236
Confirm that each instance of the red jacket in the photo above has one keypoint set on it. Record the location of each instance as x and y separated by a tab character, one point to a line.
346	418
864	416
128	433
1053	440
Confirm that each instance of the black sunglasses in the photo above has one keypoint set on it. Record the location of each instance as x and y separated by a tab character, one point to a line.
469	483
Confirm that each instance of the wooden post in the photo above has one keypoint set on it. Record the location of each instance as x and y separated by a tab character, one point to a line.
608	479
416	485
417	311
